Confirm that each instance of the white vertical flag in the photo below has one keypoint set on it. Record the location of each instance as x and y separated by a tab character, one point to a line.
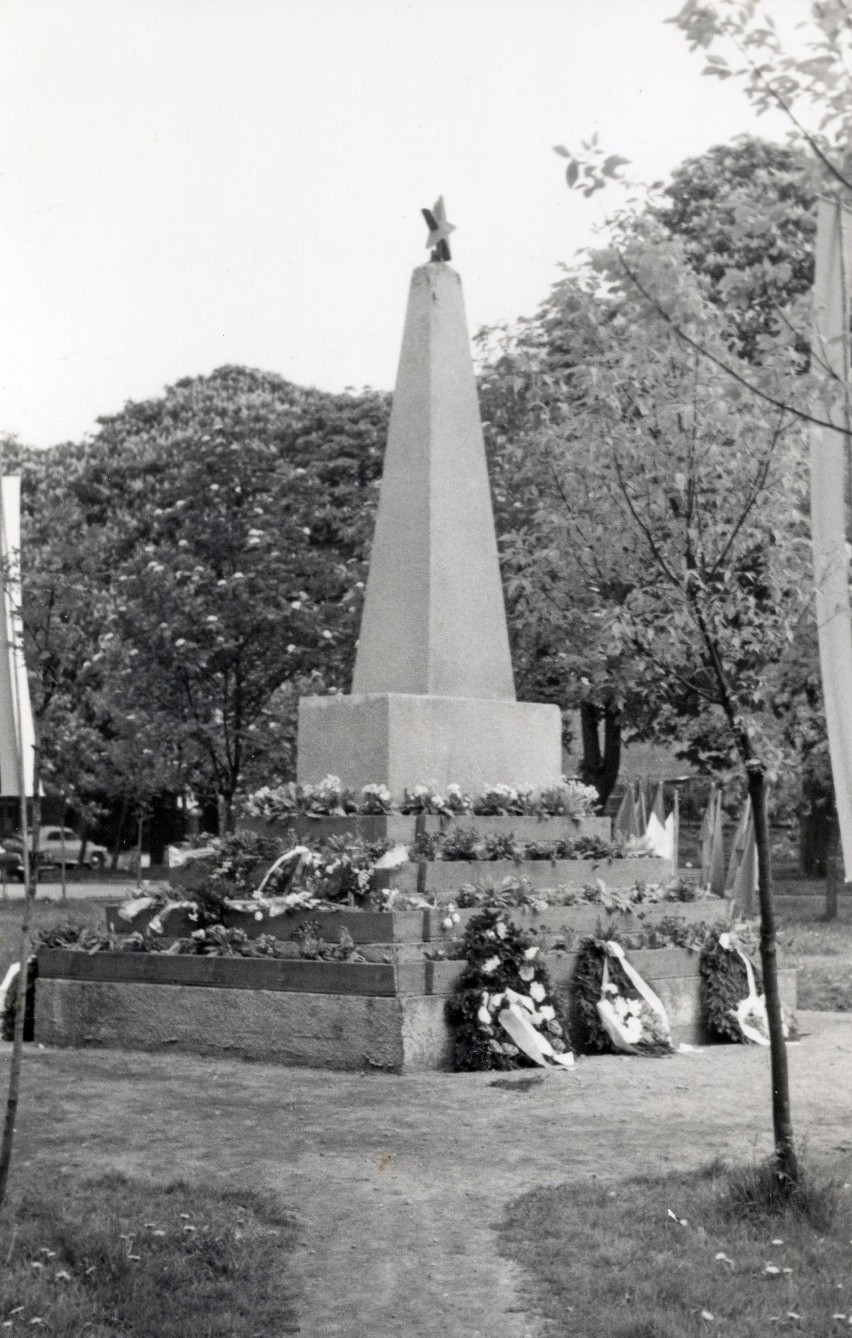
16	718
828	499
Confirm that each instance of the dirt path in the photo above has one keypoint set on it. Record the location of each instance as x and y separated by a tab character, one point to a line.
400	1181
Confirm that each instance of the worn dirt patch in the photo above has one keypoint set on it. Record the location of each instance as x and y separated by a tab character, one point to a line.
399	1182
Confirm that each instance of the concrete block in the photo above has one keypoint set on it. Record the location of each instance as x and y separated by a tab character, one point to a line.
404	740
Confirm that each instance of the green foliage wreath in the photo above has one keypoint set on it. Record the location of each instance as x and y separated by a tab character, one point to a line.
500	957
724	984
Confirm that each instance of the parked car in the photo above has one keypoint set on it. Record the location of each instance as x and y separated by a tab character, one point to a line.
56	845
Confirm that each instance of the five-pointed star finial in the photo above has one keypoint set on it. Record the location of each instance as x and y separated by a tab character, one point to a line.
439	230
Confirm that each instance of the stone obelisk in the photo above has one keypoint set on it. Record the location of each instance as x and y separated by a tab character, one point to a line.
433	696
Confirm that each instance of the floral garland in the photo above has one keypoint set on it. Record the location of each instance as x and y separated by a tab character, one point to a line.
504	1014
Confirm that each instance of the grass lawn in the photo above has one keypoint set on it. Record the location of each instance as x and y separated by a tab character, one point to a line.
669	1257
825	985
803	937
822	950
111	1257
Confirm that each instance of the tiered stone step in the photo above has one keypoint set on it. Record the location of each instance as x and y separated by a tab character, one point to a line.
442	879
387	1012
425	929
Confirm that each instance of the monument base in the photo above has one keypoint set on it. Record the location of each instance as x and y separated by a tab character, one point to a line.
401	741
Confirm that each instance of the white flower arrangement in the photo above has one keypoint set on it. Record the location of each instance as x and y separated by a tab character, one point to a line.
580	800
422	799
457	800
570	798
500	799
271	802
376	799
451	918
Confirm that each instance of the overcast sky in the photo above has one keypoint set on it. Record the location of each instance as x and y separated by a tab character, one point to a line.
185	183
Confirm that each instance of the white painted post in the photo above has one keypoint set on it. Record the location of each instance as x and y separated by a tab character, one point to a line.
828	499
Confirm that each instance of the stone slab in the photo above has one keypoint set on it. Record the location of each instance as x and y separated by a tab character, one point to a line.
405	740
318	1030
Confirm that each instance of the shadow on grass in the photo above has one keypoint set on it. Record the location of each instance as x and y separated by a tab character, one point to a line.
115	1256
674	1255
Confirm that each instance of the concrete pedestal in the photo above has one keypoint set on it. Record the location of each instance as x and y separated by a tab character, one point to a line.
404	740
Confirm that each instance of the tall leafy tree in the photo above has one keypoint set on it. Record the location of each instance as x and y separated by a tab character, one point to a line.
238	510
746	214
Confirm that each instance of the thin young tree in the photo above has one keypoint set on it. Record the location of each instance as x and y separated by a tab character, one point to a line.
694	492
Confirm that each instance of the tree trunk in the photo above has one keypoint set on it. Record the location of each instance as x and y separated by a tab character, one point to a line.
30	867
832	871
140	823
814	828
225	813
786	1162
35	861
116	849
62	872
600	766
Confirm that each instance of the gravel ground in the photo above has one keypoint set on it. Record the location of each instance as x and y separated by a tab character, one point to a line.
399	1182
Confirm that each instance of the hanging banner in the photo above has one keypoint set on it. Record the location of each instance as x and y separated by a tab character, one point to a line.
17	736
626	823
828	500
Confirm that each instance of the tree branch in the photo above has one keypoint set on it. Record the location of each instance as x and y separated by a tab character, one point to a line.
723	366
